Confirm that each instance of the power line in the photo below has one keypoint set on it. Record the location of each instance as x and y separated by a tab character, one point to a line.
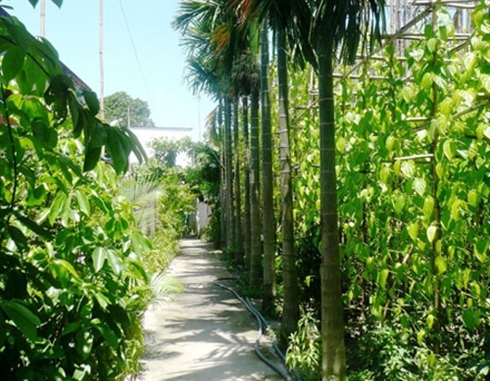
135	51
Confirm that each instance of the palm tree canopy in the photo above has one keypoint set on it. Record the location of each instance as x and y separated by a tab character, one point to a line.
346	24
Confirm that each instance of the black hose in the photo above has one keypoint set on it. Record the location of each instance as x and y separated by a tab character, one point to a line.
262	323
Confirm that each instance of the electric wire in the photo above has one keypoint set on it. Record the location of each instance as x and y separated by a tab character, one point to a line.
135	51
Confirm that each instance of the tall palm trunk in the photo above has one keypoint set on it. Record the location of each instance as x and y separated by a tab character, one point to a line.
267	180
222	192
255	221
333	347
230	221
237	187
246	210
290	313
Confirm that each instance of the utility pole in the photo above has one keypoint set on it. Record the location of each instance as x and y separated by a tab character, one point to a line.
101	57
43	18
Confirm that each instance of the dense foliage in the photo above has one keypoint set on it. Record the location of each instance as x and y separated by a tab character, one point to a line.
72	289
411	138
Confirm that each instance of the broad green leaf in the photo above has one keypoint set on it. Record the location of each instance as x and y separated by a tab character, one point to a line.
480	250
432	44
382	278
473	198
56	207
18	237
428	207
24	319
408	168
449	149
399	203
427	80
99	256
430	321
419	185
413	230
441	265
12	62
116	149
83	202
58	3
92	101
34	2
431	233
114	261
92	157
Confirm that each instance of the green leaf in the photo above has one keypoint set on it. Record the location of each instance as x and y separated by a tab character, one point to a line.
18	237
92	157
428	207
99	256
399	203
449	149
58	3
408	168
480	250
441	265
431	233
116	149
33	2
470	319
83	202
56	207
92	101
419	186
382	278
24	319
413	230
114	261
12	62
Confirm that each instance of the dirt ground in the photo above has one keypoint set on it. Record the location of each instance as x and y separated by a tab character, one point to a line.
204	334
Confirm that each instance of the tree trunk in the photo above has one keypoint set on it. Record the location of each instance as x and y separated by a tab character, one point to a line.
255	220
290	313
267	180
333	346
230	221
246	212
222	193
237	187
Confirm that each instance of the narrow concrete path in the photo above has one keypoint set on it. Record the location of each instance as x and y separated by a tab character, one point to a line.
204	334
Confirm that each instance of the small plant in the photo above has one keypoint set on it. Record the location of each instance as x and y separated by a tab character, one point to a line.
304	351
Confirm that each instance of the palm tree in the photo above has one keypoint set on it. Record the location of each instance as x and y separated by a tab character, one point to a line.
290	22
337	24
206	29
268	219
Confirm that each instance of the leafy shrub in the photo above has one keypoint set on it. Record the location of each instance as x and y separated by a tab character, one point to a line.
72	288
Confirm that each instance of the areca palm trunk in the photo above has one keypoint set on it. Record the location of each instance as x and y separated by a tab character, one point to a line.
290	313
230	221
267	180
237	187
333	347
255	220
222	192
246	211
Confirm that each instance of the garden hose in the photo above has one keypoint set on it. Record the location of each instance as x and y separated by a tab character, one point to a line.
262	324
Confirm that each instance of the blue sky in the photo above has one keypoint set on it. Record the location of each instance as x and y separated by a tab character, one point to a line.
74	31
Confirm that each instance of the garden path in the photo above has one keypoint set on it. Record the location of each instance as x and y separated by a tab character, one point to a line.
204	334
